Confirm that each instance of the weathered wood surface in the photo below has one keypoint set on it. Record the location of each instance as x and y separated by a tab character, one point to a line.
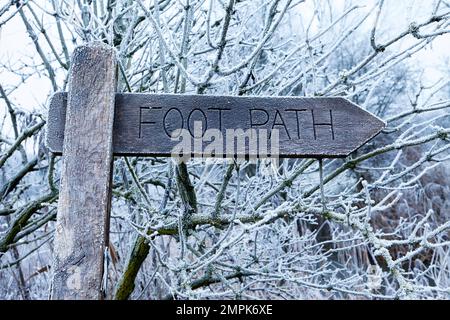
82	226
308	127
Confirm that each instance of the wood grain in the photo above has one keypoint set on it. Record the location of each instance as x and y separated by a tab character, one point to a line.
308	127
82	226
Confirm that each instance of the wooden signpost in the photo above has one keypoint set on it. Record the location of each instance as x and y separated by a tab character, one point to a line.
82	226
92	123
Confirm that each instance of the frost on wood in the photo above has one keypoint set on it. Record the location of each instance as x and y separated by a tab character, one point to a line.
377	229
82	226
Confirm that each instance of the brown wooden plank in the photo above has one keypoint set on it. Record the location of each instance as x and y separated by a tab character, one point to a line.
84	198
308	127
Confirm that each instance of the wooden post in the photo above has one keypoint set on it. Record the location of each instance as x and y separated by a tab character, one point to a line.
82	226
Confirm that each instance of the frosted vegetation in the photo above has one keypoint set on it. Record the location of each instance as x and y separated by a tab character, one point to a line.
378	228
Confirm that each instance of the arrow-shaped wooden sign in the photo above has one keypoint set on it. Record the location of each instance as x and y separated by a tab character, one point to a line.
307	127
92	123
